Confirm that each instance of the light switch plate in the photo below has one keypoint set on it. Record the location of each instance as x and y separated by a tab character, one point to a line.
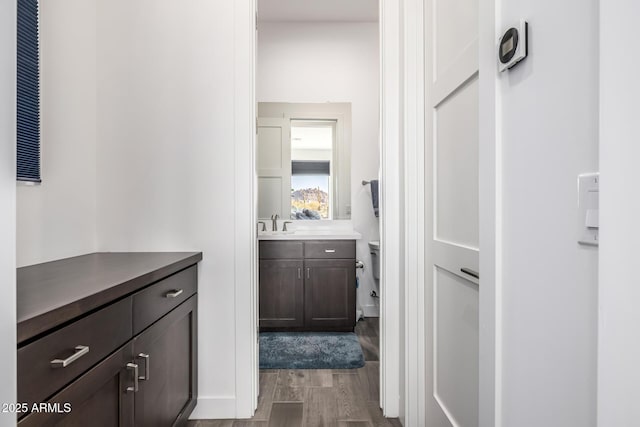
588	208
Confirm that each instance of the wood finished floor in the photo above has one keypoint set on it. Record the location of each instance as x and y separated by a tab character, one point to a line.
320	397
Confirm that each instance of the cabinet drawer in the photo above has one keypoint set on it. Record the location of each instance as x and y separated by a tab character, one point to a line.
157	300
345	249
281	250
97	398
98	334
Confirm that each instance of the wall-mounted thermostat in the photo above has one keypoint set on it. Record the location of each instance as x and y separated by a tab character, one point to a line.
513	46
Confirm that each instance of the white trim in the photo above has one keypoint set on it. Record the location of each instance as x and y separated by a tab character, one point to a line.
490	217
390	218
214	407
245	208
414	208
8	206
370	310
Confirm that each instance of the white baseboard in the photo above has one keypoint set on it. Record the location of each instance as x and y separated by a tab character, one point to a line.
371	310
209	408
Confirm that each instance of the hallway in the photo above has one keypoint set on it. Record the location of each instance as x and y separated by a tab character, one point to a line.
317	397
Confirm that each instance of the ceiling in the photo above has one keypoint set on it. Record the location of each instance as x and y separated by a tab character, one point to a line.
318	10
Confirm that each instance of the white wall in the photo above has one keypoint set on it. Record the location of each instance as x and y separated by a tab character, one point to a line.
619	347
166	157
549	127
332	62
7	206
56	219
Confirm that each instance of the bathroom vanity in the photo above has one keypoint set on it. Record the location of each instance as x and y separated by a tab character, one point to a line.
308	282
109	337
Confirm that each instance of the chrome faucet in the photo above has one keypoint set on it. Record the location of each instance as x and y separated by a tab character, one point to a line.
284	226
274	222
264	226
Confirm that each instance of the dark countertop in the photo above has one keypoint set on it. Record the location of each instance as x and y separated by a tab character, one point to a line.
55	292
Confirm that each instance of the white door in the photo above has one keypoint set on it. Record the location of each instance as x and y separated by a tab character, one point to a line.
274	168
452	247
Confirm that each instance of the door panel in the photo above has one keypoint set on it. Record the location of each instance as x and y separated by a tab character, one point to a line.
455	24
455	146
274	167
281	293
168	375
270	201
330	293
270	147
455	320
452	226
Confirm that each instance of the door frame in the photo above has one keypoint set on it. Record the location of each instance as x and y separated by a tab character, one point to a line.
245	281
414	124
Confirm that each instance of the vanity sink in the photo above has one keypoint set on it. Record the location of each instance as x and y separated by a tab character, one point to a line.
310	234
275	233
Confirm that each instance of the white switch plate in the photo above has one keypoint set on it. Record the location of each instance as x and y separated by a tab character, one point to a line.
588	208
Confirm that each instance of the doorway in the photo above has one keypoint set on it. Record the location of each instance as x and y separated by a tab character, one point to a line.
392	354
288	72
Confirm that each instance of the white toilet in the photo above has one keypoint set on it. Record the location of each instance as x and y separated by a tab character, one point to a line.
374	249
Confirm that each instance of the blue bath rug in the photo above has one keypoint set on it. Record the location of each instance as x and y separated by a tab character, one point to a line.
310	350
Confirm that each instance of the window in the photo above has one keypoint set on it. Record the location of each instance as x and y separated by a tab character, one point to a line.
311	169
28	92
310	189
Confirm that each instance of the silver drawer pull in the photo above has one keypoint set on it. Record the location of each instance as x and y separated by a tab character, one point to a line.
146	367
81	350
174	294
330	251
135	377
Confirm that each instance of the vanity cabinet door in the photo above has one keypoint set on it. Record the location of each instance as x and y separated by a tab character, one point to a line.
99	398
330	294
281	293
166	356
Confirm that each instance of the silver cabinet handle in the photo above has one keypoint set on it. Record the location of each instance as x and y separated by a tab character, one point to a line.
146	367
308	272
330	251
81	350
470	272
135	377
299	273
174	294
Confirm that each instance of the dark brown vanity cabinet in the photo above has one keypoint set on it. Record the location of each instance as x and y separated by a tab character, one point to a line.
125	355
307	285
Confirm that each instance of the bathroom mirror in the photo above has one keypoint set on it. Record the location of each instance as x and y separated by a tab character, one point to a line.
304	161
